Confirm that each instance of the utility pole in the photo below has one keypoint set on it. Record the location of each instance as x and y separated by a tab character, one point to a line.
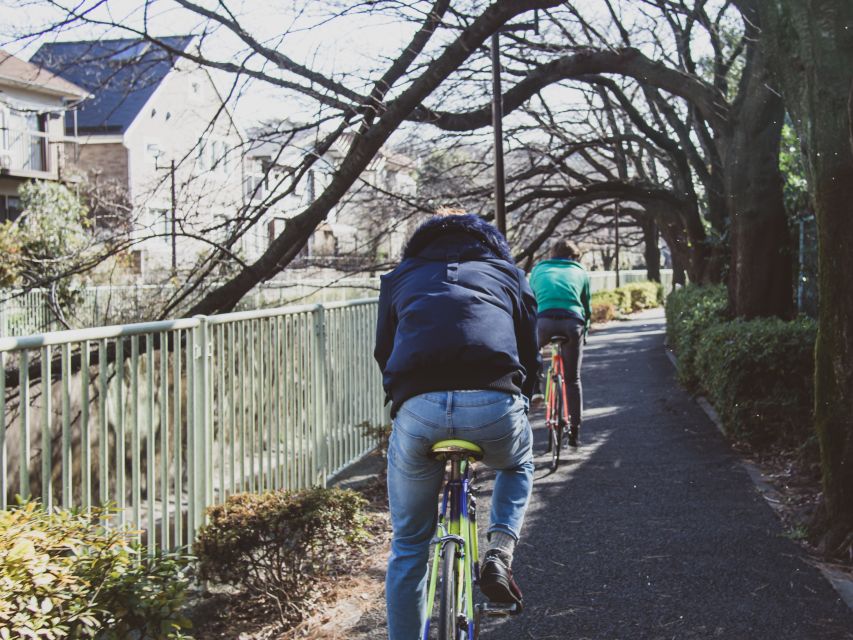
616	204
173	209
174	221
497	124
497	118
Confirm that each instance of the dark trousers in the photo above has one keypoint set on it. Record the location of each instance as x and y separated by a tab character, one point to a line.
572	352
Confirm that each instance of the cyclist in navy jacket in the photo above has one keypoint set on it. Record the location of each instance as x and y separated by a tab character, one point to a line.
456	342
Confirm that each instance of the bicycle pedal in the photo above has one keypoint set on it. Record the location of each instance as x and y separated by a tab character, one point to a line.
493	610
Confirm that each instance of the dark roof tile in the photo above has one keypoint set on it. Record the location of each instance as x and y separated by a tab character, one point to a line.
120	74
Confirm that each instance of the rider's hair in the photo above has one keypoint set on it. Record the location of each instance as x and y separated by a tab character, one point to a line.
565	249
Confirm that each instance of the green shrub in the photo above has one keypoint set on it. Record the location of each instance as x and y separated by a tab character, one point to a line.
689	312
630	298
614	297
62	575
759	375
603	312
643	295
278	543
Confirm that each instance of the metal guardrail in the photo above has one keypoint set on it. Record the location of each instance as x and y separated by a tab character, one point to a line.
164	419
603	280
24	313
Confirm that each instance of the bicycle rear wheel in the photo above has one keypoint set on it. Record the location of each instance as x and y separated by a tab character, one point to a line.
447	614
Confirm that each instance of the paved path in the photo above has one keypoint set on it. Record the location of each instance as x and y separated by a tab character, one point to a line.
653	529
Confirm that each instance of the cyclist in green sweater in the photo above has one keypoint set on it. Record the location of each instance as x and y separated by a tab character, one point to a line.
561	286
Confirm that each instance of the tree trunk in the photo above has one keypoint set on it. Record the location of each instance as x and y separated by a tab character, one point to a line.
651	250
673	236
761	267
812	55
679	275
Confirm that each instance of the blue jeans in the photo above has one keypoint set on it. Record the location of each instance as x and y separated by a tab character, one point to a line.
496	421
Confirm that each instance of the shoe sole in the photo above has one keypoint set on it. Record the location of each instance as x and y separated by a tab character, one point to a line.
498	592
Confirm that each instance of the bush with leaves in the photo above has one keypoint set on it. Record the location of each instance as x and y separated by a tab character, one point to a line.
62	575
278	544
690	311
603	312
52	232
629	298
759	375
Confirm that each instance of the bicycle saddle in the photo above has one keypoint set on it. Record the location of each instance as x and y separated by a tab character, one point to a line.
443	449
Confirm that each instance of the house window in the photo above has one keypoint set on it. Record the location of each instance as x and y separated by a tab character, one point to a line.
4	128
212	155
162	223
311	187
201	154
255	184
137	262
214	163
10	207
226	159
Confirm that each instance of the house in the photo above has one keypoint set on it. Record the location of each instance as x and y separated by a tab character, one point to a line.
363	226
33	104
157	129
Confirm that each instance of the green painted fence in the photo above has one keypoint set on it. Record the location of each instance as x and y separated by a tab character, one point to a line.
164	419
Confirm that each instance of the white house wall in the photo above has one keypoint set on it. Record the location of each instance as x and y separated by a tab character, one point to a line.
173	121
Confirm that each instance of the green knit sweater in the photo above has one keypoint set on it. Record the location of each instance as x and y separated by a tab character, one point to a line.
561	284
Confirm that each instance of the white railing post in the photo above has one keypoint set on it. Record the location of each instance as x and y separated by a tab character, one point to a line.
198	427
320	397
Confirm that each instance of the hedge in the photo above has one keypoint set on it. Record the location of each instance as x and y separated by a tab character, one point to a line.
689	312
758	374
629	298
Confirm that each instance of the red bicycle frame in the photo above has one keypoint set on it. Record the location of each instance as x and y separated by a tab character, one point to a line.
556	375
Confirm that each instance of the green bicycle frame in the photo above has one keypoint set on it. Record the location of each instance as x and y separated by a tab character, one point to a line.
456	523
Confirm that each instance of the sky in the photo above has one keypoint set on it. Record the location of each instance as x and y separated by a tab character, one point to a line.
346	48
342	48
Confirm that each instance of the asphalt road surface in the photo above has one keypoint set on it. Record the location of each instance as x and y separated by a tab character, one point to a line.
652	529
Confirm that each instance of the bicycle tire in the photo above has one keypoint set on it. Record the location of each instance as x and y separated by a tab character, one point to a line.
447	614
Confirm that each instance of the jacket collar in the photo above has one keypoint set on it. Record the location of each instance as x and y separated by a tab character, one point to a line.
468	234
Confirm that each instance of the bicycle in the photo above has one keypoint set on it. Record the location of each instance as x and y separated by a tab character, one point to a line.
556	405
456	555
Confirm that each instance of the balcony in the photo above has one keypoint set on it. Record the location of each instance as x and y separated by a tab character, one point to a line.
26	154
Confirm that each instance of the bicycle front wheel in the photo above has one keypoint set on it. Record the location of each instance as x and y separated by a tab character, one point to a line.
447	614
557	427
554	445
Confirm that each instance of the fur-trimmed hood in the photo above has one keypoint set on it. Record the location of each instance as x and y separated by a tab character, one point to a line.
470	225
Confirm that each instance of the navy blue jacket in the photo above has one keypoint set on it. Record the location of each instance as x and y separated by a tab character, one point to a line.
456	314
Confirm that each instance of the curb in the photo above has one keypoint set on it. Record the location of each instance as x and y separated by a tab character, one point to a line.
840	580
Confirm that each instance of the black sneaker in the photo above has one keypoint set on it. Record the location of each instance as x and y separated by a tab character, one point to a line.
496	582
